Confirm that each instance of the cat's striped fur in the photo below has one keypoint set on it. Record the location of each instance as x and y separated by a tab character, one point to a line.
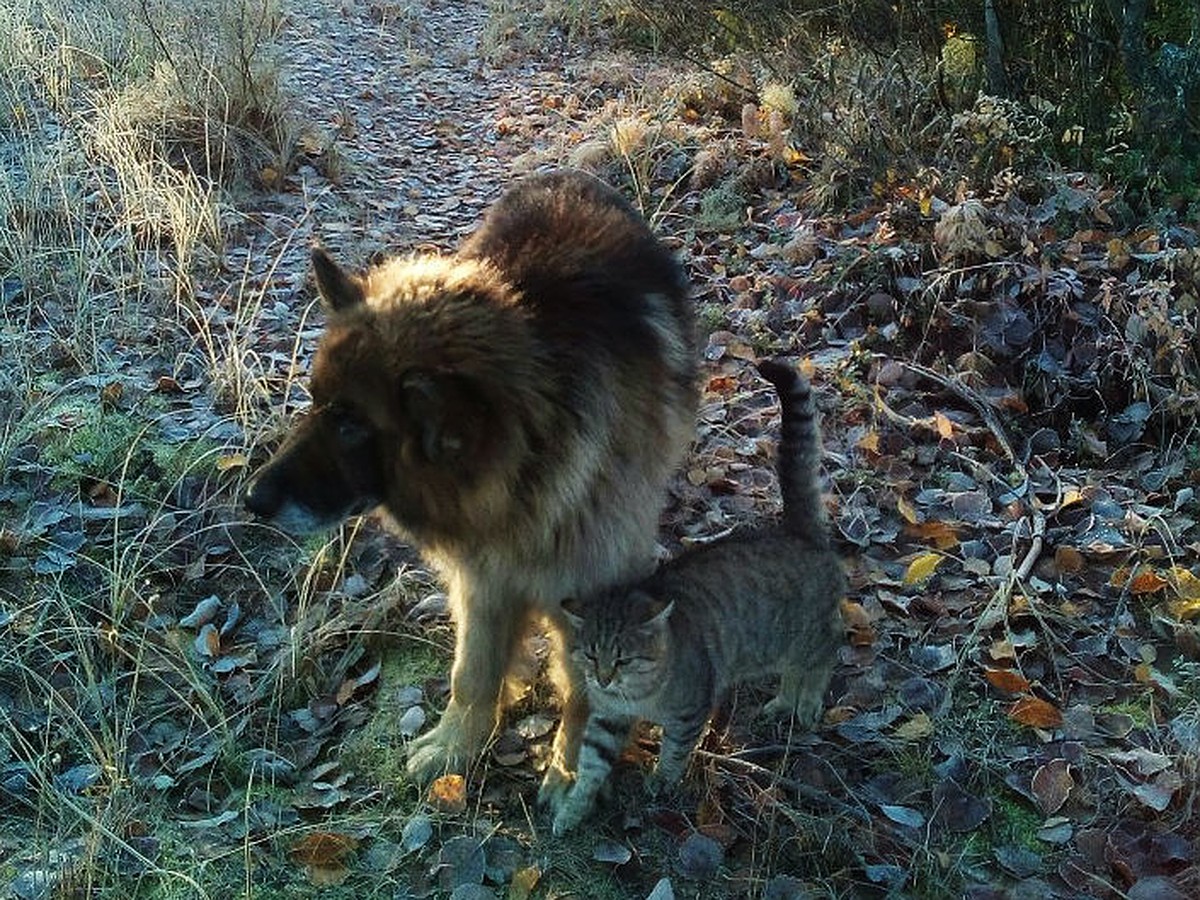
760	602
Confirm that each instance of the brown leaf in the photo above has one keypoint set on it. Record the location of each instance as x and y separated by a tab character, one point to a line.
1035	712
208	641
1147	581
1068	559
942	535
448	794
869	442
323	848
1052	784
861	633
1007	680
350	686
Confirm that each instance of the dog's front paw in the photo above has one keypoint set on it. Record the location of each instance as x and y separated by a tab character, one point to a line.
450	746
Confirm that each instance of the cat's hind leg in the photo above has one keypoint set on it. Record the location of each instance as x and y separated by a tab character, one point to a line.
802	687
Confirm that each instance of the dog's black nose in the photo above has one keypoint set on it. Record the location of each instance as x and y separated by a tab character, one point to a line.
262	496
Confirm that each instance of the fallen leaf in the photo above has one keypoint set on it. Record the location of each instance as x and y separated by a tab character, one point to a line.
861	633
323	848
700	857
523	882
942	535
230	461
1035	712
662	890
1068	559
1052	784
323	855
461	861
869	442
903	815
957	809
943	425
1158	792
1147	581
919	726
350	686
611	852
448	794
1007	680
922	567
208	641
416	833
204	612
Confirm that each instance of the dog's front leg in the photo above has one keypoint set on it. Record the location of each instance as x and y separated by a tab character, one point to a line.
488	629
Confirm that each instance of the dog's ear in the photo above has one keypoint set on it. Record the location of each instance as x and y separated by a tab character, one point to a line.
437	412
339	290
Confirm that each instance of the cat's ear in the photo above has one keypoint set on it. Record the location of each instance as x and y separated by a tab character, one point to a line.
572	608
656	609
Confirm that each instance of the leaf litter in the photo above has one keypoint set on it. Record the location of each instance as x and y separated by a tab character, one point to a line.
1022	662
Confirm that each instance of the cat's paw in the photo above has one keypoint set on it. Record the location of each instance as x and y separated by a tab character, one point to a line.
806	709
569	811
660	783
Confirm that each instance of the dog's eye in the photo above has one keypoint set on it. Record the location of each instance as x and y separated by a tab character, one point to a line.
350	430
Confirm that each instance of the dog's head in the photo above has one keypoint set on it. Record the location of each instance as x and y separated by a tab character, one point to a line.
392	422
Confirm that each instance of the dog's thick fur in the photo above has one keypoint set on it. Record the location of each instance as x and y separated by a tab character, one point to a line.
516	409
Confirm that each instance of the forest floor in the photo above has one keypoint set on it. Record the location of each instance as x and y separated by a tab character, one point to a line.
193	705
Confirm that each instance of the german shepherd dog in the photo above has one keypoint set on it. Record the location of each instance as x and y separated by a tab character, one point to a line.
516	410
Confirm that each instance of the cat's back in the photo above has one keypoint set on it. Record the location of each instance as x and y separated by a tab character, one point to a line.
735	581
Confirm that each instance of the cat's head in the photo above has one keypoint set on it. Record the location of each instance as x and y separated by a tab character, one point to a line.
620	640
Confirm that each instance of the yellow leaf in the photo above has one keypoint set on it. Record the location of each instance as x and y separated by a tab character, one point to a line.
232	461
907	510
1186	585
523	882
922	567
926	203
869	442
917	727
1070	497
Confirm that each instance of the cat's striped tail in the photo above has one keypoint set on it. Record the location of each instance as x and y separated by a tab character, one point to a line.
799	453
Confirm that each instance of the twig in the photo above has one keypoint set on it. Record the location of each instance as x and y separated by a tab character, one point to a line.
957	387
754	771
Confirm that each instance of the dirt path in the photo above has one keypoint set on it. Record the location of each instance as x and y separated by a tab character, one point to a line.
413	111
397	111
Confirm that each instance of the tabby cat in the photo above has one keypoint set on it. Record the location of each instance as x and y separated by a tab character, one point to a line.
760	602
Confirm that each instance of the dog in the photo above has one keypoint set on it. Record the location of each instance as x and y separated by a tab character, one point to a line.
515	409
